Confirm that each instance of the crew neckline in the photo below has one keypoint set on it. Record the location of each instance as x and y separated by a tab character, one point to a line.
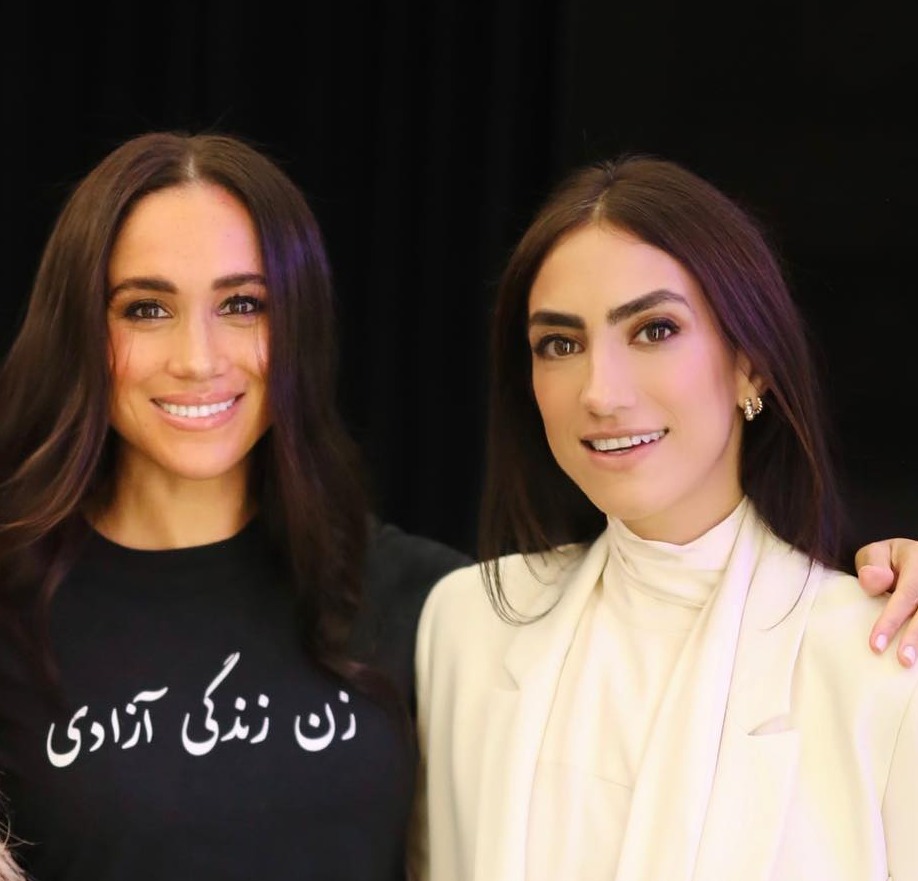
161	559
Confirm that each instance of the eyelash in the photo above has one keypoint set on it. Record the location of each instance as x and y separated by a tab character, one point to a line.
256	304
543	346
135	311
666	324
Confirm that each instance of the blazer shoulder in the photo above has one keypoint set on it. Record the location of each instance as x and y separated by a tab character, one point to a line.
530	582
515	569
841	598
838	631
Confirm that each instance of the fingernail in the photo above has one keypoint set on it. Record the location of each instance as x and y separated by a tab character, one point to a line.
880	642
908	655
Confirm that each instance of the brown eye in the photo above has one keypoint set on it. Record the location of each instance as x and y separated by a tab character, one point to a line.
555	346
241	304
562	347
657	331
144	310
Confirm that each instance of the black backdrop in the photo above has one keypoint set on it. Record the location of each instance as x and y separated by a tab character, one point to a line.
424	135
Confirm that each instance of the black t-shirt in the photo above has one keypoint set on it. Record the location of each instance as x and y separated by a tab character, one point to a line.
197	742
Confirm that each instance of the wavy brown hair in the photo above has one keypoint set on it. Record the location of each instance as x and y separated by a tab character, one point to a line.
529	504
56	446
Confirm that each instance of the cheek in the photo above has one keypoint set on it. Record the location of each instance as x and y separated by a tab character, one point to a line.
121	357
247	349
548	395
261	351
707	377
708	388
135	362
557	398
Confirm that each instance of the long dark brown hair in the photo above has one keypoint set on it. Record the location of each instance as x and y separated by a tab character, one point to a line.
529	504
56	447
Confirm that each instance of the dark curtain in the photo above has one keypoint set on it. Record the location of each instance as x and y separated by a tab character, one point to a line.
424	135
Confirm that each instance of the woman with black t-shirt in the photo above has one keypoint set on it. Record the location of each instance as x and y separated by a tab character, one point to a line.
205	666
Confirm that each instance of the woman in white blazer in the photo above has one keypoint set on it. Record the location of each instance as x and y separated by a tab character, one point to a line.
661	672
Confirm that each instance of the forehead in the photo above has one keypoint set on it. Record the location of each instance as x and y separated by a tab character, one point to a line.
198	220
604	266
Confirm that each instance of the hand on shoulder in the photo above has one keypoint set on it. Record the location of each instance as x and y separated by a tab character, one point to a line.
891	566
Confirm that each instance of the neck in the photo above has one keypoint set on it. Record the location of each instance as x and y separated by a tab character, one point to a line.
685	528
175	513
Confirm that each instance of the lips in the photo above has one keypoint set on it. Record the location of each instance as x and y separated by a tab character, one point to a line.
624	442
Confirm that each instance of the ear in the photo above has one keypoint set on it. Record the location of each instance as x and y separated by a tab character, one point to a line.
749	384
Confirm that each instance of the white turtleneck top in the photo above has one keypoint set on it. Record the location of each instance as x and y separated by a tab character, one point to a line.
629	638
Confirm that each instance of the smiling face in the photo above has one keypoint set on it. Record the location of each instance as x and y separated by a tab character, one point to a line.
637	389
188	335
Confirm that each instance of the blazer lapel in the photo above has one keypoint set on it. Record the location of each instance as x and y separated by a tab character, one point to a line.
518	712
758	758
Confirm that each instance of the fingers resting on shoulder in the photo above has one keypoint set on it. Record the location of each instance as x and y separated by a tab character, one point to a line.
892	566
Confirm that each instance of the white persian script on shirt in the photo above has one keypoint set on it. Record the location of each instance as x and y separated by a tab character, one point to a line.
318	732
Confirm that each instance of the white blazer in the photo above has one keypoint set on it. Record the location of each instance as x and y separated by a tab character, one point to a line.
788	751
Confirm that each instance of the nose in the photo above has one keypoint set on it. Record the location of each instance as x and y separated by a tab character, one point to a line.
609	383
196	349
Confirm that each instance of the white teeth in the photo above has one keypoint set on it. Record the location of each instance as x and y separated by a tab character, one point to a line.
196	412
604	445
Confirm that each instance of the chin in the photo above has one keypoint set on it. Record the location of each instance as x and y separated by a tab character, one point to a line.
627	510
204	468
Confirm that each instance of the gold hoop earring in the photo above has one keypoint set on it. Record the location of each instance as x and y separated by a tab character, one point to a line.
752	407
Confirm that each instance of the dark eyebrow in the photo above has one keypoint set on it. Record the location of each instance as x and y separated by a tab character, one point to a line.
161	286
643	303
613	316
555	319
142	283
239	279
